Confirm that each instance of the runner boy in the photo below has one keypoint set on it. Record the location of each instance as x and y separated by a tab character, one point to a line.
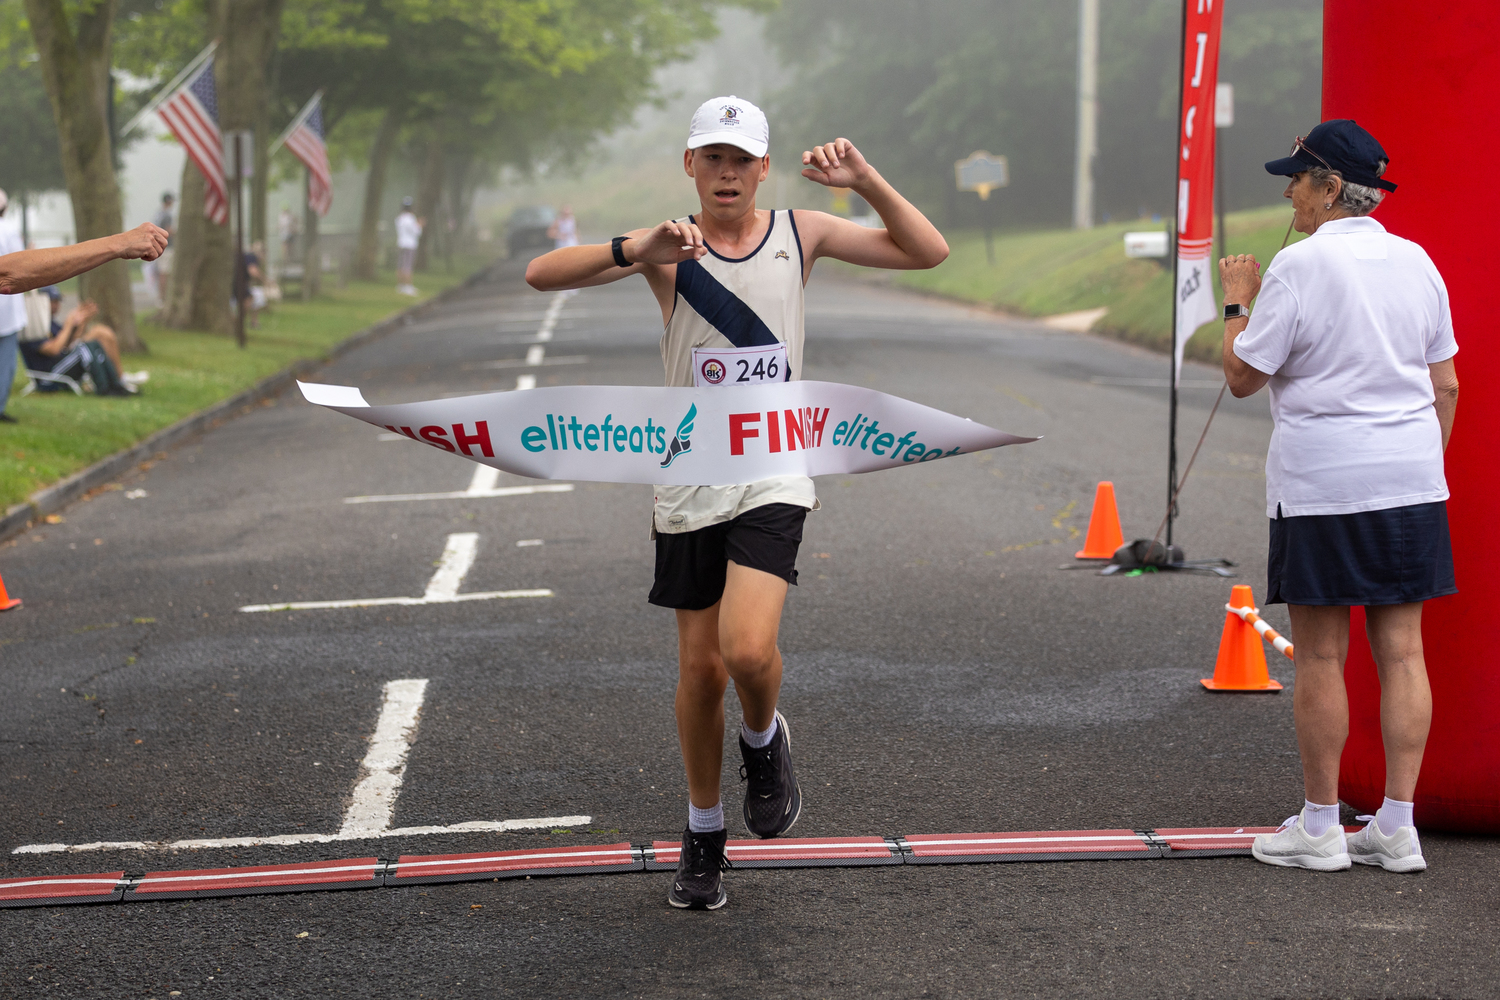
730	280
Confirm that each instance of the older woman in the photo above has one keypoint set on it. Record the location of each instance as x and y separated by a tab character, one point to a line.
1352	333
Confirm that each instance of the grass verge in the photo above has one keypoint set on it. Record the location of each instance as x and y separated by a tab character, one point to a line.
59	433
1041	273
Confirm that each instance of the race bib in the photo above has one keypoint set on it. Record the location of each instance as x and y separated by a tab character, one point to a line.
720	366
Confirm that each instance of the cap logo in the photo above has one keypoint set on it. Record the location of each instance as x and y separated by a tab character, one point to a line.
729	115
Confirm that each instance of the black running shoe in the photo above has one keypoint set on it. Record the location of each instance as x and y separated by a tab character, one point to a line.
698	884
773	800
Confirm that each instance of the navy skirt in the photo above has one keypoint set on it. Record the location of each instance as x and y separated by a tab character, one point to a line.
1395	556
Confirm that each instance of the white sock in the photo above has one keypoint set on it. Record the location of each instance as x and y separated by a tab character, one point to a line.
757	740
706	820
1393	815
1317	819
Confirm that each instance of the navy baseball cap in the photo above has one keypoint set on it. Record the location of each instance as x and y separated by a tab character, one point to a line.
1337	144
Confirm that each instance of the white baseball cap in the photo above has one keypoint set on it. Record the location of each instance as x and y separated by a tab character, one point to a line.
733	121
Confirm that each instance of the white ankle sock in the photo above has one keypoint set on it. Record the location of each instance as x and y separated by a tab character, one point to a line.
757	740
1316	819
706	820
1393	815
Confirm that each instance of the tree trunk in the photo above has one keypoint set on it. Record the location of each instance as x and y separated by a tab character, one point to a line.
75	68
430	200
368	260
252	29
312	257
199	292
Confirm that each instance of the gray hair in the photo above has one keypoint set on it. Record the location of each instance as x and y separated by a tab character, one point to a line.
1356	199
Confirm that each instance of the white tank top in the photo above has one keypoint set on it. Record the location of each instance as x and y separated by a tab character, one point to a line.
742	302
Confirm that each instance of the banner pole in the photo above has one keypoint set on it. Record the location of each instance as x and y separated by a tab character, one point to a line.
1176	284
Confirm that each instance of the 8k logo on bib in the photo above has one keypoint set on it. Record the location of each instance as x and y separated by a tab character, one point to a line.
713	371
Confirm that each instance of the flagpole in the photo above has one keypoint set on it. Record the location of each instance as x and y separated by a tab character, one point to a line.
286	133
1176	285
169	89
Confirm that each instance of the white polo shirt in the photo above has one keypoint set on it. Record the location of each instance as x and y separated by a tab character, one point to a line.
12	307
1346	324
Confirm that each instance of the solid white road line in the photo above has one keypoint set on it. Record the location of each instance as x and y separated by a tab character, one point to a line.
453	566
481	826
381	773
384	765
468	494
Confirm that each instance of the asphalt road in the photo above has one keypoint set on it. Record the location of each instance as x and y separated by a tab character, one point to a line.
943	676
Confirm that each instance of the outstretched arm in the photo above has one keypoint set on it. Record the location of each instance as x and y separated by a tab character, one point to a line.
27	269
908	241
594	264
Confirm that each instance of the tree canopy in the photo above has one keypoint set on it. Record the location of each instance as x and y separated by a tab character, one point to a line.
919	86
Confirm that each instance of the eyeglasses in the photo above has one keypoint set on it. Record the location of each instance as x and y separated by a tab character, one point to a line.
1299	143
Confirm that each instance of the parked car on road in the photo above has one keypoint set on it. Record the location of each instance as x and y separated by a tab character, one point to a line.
527	228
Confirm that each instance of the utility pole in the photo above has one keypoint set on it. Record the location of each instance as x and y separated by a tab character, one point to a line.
241	277
1223	118
1088	114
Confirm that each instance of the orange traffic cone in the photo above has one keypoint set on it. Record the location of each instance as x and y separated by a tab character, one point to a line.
1104	526
6	601
1242	659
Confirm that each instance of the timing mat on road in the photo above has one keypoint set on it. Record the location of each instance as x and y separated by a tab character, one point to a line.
594	859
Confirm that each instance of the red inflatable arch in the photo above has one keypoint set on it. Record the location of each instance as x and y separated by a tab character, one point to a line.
1425	80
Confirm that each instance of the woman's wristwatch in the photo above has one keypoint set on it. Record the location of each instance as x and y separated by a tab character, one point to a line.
616	246
1233	310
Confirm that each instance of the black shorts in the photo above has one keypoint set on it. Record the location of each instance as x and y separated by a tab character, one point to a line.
1400	555
690	565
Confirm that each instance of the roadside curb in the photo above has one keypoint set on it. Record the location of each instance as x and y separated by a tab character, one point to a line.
53	498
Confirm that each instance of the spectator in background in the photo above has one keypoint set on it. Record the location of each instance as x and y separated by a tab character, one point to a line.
12	313
22	270
157	272
564	229
408	235
255	282
286	230
75	348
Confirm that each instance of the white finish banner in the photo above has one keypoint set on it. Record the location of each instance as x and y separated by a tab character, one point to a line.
677	436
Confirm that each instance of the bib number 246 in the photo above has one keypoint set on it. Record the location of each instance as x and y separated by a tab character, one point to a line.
713	367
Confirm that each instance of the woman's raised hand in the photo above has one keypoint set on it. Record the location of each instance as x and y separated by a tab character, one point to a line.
1239	276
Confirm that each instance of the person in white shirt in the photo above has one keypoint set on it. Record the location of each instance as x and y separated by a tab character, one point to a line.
564	229
408	236
1353	335
21	270
731	276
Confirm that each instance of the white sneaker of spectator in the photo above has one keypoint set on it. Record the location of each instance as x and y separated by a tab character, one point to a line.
1400	852
1291	847
134	379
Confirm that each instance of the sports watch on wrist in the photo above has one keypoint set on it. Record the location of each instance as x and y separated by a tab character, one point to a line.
1234	310
616	246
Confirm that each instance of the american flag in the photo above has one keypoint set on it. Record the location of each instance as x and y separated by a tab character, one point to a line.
193	116
306	143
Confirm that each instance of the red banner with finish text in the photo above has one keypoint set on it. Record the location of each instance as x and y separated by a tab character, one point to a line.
1202	26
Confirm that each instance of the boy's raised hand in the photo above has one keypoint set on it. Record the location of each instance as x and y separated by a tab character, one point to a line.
668	243
835	164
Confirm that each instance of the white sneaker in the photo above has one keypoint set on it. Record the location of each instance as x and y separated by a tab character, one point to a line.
1400	852
1291	847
